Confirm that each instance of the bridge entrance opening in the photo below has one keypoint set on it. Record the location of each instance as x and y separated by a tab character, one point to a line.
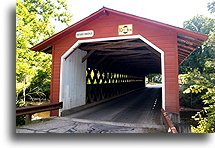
99	69
108	54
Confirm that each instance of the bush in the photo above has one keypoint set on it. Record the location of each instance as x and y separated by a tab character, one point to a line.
202	87
20	120
191	99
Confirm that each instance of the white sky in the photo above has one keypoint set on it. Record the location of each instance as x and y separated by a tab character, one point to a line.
172	12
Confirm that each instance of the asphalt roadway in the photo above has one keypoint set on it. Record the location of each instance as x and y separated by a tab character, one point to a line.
139	107
137	112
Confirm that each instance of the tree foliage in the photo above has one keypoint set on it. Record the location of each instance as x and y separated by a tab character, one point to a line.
34	23
199	69
191	97
204	85
211	7
204	25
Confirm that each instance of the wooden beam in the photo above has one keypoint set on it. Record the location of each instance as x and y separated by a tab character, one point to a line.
112	62
115	45
126	53
113	41
90	45
101	60
123	50
88	55
184	51
71	52
190	39
153	51
187	43
190	49
141	61
47	49
180	58
130	57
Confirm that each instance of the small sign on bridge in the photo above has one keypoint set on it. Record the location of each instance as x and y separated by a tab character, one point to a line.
85	34
125	29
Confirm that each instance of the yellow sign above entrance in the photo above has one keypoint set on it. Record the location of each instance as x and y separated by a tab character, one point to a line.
125	29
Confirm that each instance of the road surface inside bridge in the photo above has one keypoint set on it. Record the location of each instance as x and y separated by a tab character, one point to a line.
141	107
136	112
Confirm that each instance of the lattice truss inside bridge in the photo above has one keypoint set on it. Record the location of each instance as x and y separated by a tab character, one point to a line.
116	67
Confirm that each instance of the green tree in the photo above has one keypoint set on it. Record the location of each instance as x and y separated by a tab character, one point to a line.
204	25
202	83
34	23
205	87
211	7
192	98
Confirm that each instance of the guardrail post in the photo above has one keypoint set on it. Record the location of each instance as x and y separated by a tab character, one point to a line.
28	118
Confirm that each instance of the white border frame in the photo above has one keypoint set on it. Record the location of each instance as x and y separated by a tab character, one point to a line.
79	42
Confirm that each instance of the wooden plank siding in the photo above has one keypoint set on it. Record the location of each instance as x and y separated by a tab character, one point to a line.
107	26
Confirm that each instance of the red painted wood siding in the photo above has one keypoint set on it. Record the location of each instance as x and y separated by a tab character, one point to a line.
107	26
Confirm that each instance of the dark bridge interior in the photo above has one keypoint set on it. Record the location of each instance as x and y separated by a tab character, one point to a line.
128	56
116	67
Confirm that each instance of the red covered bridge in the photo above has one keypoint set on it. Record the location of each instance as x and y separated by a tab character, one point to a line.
109	53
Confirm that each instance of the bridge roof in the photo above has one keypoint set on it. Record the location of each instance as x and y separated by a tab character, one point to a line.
187	41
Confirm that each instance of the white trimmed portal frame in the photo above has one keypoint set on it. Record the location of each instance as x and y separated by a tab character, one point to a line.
73	72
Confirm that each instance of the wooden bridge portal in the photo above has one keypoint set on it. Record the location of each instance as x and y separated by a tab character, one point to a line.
109	53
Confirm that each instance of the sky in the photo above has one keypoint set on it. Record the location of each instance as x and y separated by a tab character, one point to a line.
172	12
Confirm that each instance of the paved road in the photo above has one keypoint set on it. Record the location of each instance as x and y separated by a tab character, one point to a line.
137	112
68	125
140	107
